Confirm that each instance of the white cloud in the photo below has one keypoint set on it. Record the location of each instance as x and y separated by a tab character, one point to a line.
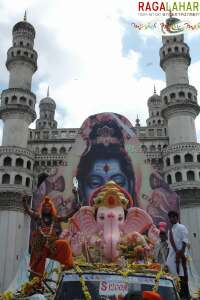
79	44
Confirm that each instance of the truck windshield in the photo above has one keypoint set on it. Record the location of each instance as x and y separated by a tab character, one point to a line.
113	287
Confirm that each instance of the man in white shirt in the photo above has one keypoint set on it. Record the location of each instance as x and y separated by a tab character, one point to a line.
176	260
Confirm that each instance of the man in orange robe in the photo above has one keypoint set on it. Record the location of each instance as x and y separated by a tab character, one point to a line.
44	241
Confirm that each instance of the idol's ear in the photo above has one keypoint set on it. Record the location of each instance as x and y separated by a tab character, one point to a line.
137	220
84	222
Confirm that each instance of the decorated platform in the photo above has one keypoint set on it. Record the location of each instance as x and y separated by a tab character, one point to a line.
99	215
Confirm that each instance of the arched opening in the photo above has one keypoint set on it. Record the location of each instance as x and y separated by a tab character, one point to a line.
181	94
172	95
54	150
169	50
30	102
44	151
19	162
177	159
6	100
14	99
22	100
7	162
18	179
28	165
198	157
169	179
176	49
190	176
178	176
28	181
62	150
168	162
159	148
190	96
166	100
6	179
188	157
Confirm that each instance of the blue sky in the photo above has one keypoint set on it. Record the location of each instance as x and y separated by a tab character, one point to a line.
91	57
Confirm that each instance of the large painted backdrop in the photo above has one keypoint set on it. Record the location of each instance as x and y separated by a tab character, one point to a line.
107	149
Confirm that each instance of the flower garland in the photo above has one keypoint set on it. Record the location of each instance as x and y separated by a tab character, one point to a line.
48	234
85	289
157	279
197	294
6	296
29	287
127	269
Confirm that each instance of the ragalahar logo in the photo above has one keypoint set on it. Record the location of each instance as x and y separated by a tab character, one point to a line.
166	6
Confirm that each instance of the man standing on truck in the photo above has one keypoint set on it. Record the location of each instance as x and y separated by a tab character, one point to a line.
176	260
44	241
161	248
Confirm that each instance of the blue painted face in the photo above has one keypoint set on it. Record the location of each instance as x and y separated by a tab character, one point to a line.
104	170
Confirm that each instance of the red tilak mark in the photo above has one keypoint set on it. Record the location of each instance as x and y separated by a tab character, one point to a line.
111	200
106	168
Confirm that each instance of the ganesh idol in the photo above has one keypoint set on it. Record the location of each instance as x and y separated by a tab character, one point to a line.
98	230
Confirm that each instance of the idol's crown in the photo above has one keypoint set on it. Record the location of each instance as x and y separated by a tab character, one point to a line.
111	195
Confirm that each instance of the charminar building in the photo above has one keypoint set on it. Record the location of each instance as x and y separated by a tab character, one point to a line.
27	155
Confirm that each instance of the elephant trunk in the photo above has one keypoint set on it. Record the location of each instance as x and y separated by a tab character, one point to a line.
111	237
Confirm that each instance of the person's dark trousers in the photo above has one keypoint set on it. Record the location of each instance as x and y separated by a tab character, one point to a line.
184	289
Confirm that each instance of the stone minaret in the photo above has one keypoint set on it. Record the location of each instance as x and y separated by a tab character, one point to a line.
179	97
17	111
47	113
182	157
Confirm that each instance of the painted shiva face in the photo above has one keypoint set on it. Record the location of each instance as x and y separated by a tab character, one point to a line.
104	170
